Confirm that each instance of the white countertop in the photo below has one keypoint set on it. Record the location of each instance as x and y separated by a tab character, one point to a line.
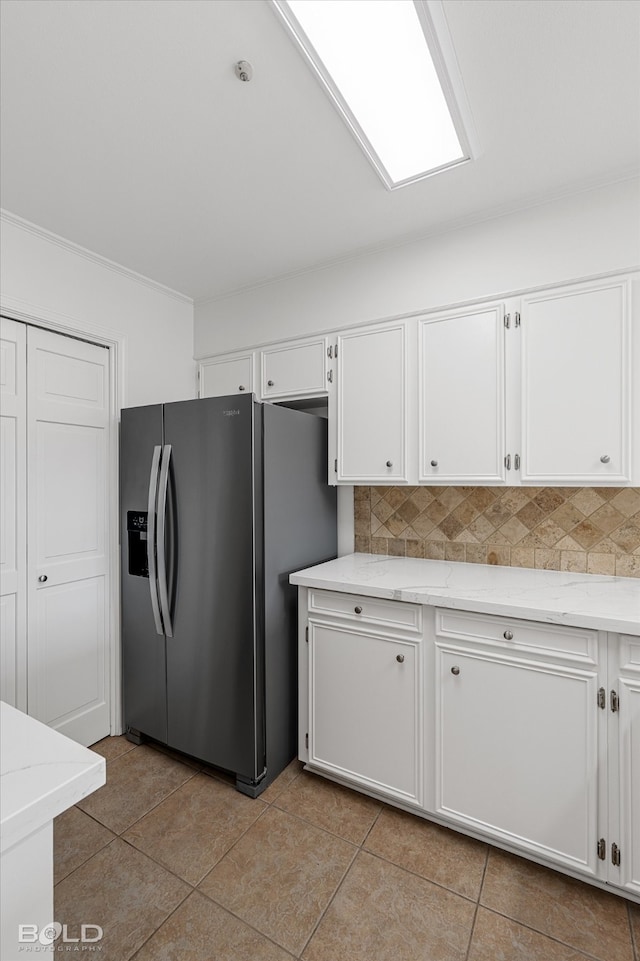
42	773
581	600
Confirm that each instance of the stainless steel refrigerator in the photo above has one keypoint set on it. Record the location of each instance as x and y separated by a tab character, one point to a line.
221	499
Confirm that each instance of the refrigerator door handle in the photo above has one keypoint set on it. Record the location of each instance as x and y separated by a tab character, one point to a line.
162	526
151	538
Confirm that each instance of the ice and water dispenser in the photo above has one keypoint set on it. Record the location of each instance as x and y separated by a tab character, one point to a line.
137	536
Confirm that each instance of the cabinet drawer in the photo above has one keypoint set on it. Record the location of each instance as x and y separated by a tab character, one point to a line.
574	644
374	611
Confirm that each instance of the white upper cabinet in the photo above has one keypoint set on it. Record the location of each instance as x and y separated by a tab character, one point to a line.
372	405
295	370
226	375
576	391
462	397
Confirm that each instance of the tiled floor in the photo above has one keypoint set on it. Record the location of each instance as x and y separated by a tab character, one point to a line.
175	865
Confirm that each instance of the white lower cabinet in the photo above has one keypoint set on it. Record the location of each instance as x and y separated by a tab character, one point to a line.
365	708
516	734
522	733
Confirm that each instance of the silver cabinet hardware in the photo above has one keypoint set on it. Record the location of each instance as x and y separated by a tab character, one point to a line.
330	376
602	698
507	321
400	658
516	319
605	459
241	387
602	849
434	463
389	463
507	462
455	670
614	702
43	578
615	854
358	609
516	462
330	351
269	383
508	635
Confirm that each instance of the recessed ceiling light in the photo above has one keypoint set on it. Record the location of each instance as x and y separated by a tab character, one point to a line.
390	68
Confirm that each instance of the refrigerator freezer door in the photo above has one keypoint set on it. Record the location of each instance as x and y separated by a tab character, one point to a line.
143	649
213	659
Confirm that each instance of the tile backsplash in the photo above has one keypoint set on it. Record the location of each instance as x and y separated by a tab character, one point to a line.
590	529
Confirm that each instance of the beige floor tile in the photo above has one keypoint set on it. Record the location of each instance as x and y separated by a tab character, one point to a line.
330	806
123	891
577	914
203	931
384	913
282	781
76	838
437	854
190	831
634	917
112	747
136	782
499	939
280	877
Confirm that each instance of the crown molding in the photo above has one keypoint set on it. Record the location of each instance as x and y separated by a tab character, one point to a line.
10	218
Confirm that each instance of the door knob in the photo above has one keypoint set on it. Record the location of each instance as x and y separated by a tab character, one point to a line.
434	463
389	463
241	387
358	609
605	459
269	383
455	670
400	658
43	578
508	635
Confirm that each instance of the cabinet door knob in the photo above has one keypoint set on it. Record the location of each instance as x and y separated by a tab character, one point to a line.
508	635
43	578
605	459
389	463
434	463
269	383
241	387
455	670
358	610
400	658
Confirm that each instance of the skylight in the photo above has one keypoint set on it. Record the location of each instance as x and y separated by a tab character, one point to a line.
376	59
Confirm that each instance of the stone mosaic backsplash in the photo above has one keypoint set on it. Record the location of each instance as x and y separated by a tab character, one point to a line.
583	529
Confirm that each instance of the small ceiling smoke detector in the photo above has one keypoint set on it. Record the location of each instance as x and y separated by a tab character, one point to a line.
244	70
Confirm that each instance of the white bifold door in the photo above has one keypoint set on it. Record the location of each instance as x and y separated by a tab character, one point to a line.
61	517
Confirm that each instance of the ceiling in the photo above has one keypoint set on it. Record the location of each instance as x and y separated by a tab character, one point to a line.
125	130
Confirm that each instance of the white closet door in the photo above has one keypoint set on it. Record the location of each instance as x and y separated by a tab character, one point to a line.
68	444
13	545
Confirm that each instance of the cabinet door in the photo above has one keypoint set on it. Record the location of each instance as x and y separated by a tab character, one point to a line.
372	405
228	375
626	685
462	397
576	384
516	752
294	370
365	710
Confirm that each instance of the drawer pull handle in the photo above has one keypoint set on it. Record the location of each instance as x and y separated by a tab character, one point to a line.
455	670
400	658
508	635
358	610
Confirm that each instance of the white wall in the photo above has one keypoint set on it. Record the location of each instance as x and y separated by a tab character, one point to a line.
588	233
48	279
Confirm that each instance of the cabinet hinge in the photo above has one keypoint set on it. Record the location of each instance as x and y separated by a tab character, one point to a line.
306	634
306	740
601	848
335	465
330	351
602	698
507	462
330	376
516	319
614	701
615	854
507	321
